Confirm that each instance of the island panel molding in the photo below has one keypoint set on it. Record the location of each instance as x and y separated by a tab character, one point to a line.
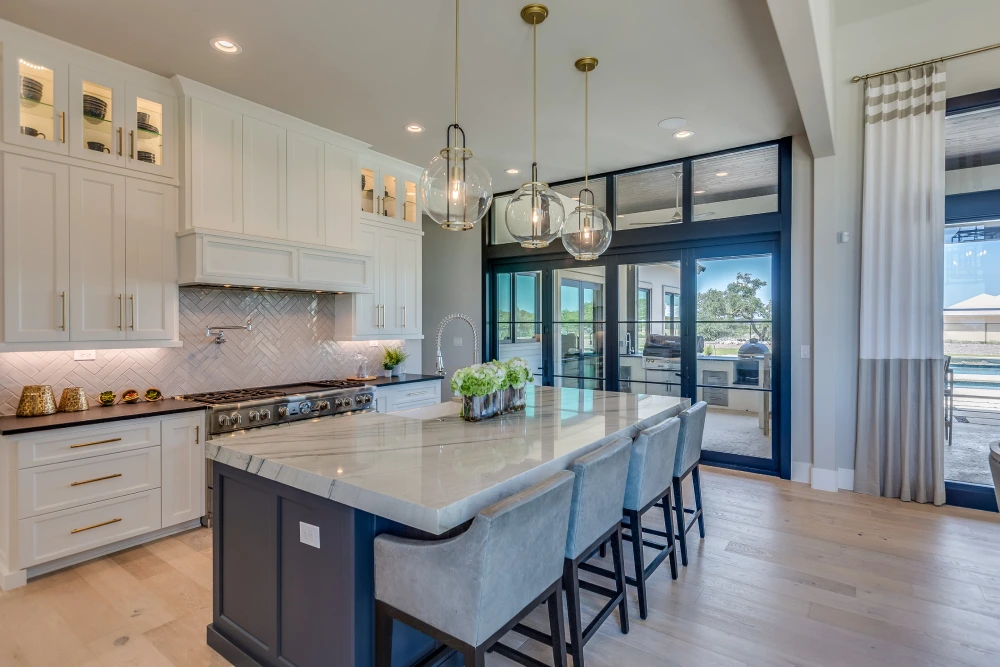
430	470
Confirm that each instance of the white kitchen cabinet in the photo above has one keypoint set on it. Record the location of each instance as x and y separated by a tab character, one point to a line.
182	469
340	173
97	255
152	141
216	159
306	189
393	309
264	163
95	134
34	99
397	397
36	242
151	260
389	190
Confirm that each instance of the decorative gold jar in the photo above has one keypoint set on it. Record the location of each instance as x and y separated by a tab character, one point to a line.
73	399
36	400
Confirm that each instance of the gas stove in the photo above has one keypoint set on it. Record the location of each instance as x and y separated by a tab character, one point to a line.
238	409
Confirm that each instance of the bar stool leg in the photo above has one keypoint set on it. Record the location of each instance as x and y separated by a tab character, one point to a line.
668	522
696	479
616	555
571	584
679	512
383	637
556	628
474	657
604	550
635	524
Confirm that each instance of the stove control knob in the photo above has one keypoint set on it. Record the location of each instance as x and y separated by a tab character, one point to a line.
368	398
223	420
283	411
265	414
305	408
254	416
348	402
340	403
322	405
236	418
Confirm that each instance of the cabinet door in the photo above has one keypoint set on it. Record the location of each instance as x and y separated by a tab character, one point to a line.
35	250
96	117
367	307
34	99
151	123
216	167
182	469
399	192
97	255
150	260
408	283
387	271
371	192
340	198
263	179
306	189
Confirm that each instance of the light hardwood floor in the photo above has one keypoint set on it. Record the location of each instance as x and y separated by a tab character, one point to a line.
786	576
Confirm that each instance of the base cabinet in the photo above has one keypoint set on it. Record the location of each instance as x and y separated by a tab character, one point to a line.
67	492
395	398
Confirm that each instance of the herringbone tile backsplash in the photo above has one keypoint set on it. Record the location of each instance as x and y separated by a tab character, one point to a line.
292	341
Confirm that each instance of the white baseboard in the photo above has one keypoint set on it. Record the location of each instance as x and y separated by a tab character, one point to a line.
11	580
822	479
845	478
800	471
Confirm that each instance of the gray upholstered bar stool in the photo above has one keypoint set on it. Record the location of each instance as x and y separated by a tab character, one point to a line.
649	468
687	463
470	590
594	519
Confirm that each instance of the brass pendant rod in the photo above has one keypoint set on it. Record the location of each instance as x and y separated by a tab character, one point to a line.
586	129
456	62
534	90
926	62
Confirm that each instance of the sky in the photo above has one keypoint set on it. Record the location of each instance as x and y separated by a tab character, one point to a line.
719	273
970	269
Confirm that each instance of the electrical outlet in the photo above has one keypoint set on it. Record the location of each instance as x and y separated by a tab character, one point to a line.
806	352
457	341
309	534
84	355
373	343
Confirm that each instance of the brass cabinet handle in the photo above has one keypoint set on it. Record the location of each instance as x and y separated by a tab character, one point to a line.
418	393
404	315
62	123
121	314
121	142
62	295
96	442
131	144
96	525
197	435
382	316
131	298
96	479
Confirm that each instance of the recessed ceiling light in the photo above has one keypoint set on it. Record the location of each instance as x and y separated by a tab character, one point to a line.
226	45
672	123
683	134
621	215
699	192
413	127
722	173
513	170
575	198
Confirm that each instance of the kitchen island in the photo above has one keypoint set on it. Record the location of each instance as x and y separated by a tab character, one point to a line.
299	506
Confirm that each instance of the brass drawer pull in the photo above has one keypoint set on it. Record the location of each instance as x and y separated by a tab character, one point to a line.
96	525
97	442
97	479
418	393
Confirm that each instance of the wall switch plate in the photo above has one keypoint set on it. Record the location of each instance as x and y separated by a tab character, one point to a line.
806	352
373	343
843	237
457	341
309	534
84	355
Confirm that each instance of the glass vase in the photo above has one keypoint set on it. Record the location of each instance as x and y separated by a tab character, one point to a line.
476	408
516	399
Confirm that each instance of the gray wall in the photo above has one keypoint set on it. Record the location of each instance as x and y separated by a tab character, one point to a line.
453	283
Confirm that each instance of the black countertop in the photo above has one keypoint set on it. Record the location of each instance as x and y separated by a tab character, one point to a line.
406	379
97	414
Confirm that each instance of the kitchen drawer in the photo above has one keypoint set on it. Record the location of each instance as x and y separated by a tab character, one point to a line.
59	534
398	406
59	486
85	441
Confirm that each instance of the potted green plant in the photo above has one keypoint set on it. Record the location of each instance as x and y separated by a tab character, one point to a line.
478	386
392	359
518	375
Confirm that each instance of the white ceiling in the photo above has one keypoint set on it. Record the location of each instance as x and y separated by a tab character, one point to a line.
369	67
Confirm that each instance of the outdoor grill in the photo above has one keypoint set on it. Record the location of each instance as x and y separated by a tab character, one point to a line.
747	367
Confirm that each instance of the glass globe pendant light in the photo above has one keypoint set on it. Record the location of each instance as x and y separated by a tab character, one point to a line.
456	189
535	214
587	232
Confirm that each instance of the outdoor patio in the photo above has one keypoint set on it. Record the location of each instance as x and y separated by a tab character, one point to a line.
977	426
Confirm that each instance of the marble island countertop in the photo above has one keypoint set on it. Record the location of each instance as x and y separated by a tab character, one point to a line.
428	468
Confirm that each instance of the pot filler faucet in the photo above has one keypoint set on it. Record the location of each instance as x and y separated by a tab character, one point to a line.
475	340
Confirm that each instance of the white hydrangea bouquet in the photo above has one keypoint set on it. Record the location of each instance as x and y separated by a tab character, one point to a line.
492	388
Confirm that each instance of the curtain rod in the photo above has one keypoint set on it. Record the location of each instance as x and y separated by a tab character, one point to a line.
926	62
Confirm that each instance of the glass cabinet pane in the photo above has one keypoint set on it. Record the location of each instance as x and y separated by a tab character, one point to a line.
148	136
410	205
37	100
98	111
367	190
389	196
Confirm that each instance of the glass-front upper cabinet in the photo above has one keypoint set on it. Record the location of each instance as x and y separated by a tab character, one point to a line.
371	197
34	100
151	129
389	194
96	117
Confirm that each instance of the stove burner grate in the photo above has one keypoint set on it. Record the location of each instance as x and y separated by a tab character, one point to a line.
338	384
235	395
